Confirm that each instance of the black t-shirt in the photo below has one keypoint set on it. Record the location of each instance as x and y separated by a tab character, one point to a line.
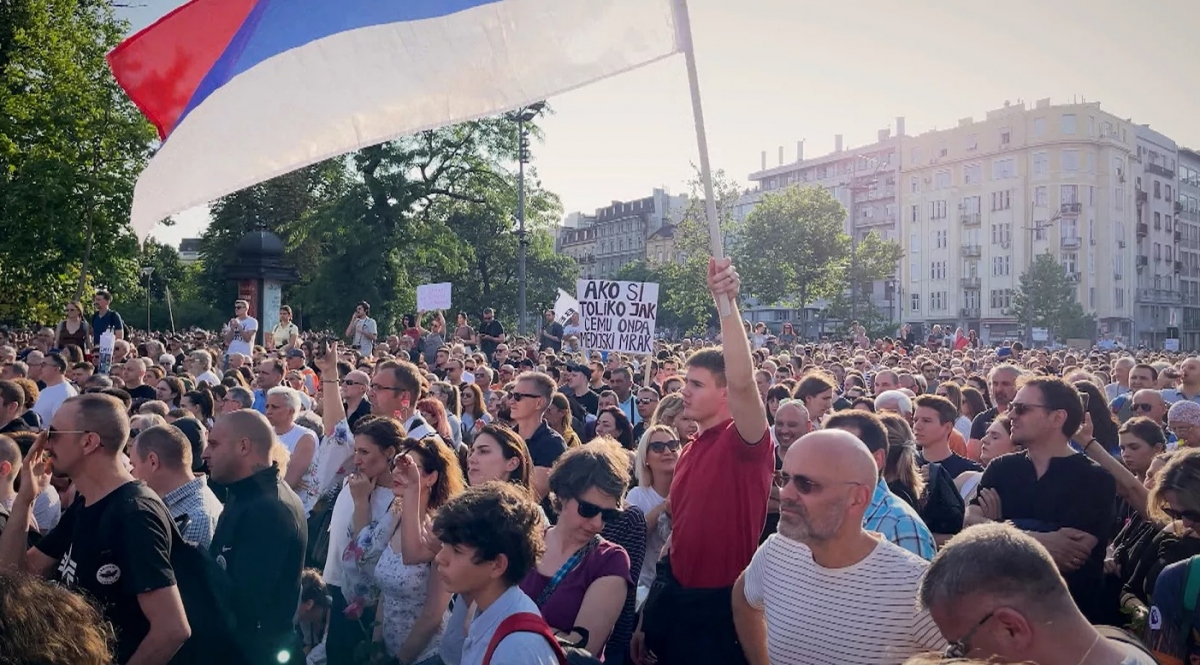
32	419
142	392
112	551
1074	492
590	402
555	330
361	411
15	425
955	464
102	323
545	446
491	328
981	423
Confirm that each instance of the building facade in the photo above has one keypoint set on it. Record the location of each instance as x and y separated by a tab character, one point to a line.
981	200
1158	301
863	179
617	234
1187	230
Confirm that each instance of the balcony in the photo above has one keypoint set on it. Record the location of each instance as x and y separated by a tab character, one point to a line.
971	219
1143	261
1159	297
880	220
1178	207
1142	229
1160	170
1068	242
970	283
1178	237
969	312
1072	277
1070	209
1142	196
972	251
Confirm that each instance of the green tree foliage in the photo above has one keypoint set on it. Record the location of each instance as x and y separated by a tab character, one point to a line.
1048	298
71	147
873	259
792	248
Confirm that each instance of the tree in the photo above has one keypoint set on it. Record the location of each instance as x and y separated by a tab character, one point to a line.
792	247
1048	298
71	147
873	259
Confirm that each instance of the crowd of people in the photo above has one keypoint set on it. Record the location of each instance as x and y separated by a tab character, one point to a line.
440	496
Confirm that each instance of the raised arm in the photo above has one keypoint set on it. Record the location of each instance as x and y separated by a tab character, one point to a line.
332	410
745	404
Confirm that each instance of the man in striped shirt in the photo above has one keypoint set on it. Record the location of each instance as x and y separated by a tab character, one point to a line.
824	590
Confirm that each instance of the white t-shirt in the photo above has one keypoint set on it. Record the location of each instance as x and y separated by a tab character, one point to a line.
368	325
865	613
647	500
50	398
282	334
238	345
308	489
210	378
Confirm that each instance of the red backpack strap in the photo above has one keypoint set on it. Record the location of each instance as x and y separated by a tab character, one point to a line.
523	622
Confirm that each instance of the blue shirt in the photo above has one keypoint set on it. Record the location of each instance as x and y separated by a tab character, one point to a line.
260	402
898	522
1172	395
466	644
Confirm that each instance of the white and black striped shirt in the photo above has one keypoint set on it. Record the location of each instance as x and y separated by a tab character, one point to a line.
864	613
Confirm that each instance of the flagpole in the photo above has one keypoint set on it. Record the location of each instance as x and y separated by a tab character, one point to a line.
710	203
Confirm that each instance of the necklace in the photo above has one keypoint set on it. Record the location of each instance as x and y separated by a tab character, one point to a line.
1089	651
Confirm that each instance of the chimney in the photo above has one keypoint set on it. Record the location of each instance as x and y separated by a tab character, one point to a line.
837	142
899	125
883	135
781	155
764	160
800	150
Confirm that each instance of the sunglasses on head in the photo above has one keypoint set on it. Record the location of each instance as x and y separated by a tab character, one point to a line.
588	510
662	446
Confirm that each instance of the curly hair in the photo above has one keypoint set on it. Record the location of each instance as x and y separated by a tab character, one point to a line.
494	518
73	633
602	464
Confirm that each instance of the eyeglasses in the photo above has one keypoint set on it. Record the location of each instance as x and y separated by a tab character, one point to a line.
661	447
1022	408
588	510
517	397
1188	515
961	648
376	386
1142	407
646	400
804	484
51	432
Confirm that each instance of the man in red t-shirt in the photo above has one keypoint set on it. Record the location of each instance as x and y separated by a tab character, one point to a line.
718	500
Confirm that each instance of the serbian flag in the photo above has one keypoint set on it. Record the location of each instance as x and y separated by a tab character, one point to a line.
242	91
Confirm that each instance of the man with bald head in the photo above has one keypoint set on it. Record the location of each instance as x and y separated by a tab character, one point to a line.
135	380
885	381
792	421
1150	403
354	392
846	594
262	535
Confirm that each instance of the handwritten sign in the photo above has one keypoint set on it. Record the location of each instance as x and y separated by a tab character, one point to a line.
617	316
565	308
431	297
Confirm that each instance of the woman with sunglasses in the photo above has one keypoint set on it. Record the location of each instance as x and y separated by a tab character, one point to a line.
581	581
657	455
474	408
1174	501
73	329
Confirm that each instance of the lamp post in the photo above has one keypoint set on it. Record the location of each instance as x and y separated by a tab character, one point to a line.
522	117
146	272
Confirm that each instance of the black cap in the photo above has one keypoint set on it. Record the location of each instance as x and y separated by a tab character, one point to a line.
582	369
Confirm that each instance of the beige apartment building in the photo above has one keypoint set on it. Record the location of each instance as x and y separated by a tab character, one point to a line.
977	202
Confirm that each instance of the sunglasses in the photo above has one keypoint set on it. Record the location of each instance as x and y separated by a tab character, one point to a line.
588	510
517	397
1188	515
961	648
803	484
1142	407
646	400
1022	408
661	447
51	432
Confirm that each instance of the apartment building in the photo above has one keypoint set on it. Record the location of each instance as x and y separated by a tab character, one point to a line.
1158	301
979	201
616	235
1187	245
863	178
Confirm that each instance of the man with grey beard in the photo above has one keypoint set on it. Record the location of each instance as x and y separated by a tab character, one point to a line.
832	568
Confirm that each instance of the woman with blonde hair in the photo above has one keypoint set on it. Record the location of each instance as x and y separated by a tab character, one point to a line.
900	471
654	465
670	407
558	416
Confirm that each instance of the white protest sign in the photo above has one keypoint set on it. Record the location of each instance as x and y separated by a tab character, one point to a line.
617	316
565	307
431	297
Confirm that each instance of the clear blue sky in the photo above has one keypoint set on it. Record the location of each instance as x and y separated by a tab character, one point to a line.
776	71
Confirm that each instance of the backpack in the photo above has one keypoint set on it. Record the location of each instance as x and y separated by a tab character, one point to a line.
944	508
1170	643
531	622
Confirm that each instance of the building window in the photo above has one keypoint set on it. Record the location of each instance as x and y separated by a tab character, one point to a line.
916	212
1157	221
940	237
1068	193
1157	189
1000	266
1068	123
916	155
1070	160
1119	298
972	174
937	270
970	205
1041	164
941	179
972	141
937	210
1002	200
1168	193
915	300
1005	136
1070	261
1040	196
915	184
1039	127
1001	234
1119	198
914	242
1002	169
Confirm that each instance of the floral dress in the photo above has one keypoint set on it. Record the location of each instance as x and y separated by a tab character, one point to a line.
403	590
358	564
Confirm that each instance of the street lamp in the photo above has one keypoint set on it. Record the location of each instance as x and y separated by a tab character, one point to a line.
522	117
146	272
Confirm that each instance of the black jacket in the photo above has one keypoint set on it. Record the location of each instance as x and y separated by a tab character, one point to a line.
260	542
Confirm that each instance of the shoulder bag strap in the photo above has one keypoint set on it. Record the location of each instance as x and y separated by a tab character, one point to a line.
523	622
569	565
